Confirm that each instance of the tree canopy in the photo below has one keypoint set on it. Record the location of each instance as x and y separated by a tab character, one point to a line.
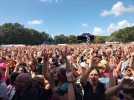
123	35
15	33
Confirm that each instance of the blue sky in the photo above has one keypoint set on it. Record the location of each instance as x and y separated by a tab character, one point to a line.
99	17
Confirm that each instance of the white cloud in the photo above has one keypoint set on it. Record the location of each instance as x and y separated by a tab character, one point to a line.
105	13
123	24
84	25
112	28
118	9
98	31
50	1
35	22
46	0
120	25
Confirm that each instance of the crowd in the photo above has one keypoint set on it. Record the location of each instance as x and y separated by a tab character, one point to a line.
71	72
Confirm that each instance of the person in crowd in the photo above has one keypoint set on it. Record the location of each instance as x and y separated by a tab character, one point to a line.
11	86
27	88
72	72
40	66
3	88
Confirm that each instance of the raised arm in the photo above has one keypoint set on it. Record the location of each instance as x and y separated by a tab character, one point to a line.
112	91
125	84
117	69
7	71
86	74
67	59
131	61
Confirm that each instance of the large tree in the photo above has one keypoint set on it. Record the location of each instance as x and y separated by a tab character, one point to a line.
15	33
60	39
123	35
101	39
72	39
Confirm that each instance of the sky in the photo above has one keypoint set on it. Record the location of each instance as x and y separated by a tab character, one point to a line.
69	17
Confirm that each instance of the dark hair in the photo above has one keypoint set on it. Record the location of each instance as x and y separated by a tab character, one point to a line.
39	59
97	69
13	77
24	70
55	62
62	75
22	64
39	81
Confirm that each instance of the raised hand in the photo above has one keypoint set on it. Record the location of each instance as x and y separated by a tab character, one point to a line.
126	84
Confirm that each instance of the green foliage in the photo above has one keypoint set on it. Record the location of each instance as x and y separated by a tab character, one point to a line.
123	35
15	33
72	39
60	39
101	39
